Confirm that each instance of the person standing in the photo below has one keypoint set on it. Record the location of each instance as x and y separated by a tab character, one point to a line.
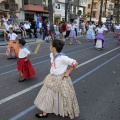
90	33
72	35
45	30
24	65
63	27
57	94
13	46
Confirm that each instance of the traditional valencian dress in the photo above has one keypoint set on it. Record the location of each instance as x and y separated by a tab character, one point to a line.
25	67
13	46
116	30
90	33
100	37
57	94
72	34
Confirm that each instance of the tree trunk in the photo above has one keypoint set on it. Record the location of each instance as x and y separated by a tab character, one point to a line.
50	9
118	10
91	10
12	8
100	16
105	6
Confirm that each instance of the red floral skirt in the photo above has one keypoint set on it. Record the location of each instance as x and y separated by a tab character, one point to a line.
25	68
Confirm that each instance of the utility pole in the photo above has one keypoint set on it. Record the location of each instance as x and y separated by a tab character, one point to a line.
100	16
118	10
91	10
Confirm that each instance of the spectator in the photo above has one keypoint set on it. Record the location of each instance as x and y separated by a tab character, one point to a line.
34	27
24	35
40	27
27	28
5	19
2	28
45	30
7	26
63	27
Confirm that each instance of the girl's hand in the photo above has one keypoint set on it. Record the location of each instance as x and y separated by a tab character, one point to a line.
26	60
66	74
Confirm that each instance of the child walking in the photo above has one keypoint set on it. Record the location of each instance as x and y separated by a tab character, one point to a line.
13	46
57	94
24	65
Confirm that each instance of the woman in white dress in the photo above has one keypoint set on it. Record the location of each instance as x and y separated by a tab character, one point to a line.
99	40
72	35
90	33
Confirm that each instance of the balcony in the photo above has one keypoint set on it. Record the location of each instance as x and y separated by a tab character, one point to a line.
94	9
95	1
35	8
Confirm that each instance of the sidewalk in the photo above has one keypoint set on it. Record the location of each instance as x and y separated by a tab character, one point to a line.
28	40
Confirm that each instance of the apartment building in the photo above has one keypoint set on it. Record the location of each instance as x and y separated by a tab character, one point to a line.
96	10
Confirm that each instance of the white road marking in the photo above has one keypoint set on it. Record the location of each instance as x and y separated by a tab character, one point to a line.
39	84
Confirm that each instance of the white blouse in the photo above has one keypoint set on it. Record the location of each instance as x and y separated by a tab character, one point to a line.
117	27
12	36
101	30
60	64
24	52
91	26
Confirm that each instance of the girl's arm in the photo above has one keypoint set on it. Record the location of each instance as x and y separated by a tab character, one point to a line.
67	73
27	58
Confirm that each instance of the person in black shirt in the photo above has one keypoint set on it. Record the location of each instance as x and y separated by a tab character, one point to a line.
45	30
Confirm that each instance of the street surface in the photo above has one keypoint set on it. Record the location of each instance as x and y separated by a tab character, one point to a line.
96	81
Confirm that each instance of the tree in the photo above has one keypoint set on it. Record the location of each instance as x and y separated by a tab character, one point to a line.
50	9
100	16
12	8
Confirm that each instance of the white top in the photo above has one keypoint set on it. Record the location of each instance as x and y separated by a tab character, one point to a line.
40	25
60	64
5	20
117	27
12	36
104	26
72	27
24	52
7	27
15	27
101	30
69	26
26	26
91	26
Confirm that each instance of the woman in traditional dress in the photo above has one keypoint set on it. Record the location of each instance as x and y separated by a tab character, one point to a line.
13	46
72	35
99	40
116	30
90	33
24	65
57	94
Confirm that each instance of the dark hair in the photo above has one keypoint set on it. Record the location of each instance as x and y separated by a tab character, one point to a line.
22	42
11	28
58	44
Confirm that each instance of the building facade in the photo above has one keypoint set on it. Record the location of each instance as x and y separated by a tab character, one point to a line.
106	14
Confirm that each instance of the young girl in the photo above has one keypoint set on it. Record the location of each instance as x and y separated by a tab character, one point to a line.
24	65
48	38
13	46
57	94
72	34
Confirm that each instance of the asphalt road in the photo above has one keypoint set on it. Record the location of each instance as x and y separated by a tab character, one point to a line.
96	82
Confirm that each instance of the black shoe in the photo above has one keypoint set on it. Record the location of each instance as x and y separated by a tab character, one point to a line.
42	115
9	58
22	80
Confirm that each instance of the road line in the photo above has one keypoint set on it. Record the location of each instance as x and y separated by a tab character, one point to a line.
74	82
37	48
20	93
38	84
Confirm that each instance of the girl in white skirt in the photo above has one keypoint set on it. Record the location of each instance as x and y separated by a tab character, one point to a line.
57	94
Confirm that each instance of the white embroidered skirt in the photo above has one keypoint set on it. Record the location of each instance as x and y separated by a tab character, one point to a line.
58	96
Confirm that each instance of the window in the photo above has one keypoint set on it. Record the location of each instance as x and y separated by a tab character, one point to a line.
88	5
26	2
57	6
